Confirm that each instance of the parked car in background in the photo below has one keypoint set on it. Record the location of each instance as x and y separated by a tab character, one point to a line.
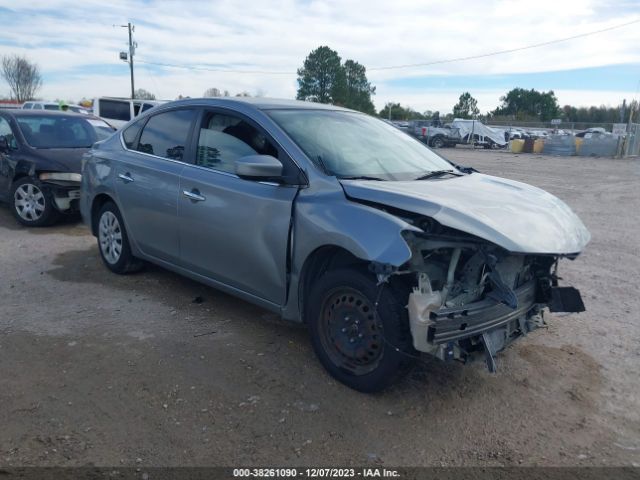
433	133
589	132
55	107
336	219
538	133
118	111
40	153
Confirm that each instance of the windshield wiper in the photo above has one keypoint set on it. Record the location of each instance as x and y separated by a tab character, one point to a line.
438	173
362	177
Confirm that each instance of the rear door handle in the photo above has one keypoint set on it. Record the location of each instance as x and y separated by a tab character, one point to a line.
194	195
125	177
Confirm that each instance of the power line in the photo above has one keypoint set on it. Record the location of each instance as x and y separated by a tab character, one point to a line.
221	70
411	65
511	50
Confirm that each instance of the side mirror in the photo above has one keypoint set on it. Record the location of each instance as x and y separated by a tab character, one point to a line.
258	166
4	145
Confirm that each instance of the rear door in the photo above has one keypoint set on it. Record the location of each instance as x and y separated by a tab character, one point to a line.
147	181
235	230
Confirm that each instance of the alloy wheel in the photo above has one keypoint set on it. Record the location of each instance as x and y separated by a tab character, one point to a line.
29	202
110	237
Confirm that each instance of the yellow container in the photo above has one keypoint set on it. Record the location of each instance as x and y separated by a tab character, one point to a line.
579	141
517	145
538	145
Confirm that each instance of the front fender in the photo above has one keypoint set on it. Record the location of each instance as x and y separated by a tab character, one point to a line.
329	219
368	233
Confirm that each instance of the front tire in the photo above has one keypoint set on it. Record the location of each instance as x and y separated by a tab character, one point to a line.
113	242
32	204
363	346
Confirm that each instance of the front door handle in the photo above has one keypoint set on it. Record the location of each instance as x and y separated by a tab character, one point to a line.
194	195
125	177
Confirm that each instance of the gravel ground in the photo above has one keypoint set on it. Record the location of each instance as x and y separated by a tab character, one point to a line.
154	369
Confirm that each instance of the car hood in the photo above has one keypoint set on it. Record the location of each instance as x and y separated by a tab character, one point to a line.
516	216
59	159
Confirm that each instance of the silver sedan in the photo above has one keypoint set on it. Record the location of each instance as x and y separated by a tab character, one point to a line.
330	217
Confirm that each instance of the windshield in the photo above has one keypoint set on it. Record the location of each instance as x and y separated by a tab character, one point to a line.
58	132
349	144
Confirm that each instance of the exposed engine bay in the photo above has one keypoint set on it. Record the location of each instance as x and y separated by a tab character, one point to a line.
472	297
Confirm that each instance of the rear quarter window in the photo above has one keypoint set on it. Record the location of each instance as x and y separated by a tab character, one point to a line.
130	134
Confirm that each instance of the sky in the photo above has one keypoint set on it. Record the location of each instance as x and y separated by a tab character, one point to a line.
257	46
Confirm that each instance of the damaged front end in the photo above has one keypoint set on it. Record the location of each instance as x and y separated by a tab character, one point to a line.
64	188
470	297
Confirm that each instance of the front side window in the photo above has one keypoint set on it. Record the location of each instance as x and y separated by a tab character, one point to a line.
225	138
57	131
349	144
165	134
115	109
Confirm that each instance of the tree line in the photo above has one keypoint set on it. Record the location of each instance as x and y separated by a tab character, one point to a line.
520	105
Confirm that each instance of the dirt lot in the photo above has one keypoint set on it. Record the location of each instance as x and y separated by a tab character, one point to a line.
154	369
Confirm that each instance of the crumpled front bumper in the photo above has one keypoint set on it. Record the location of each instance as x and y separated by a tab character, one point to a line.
457	323
488	326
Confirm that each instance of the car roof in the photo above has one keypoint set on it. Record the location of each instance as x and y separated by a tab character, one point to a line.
259	103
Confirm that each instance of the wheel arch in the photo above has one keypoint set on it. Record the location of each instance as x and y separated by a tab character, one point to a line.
321	260
96	204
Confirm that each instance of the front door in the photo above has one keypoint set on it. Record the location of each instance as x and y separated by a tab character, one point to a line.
235	230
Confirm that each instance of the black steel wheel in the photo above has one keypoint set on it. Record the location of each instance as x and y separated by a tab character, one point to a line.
363	346
349	331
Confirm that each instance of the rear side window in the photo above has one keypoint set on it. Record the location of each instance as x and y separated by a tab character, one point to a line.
115	110
131	133
166	134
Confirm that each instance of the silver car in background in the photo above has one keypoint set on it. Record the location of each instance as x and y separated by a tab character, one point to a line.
333	218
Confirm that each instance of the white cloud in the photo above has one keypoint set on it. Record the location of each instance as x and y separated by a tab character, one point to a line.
69	39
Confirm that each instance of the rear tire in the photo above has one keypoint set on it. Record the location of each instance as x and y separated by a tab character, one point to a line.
438	142
356	342
32	203
113	242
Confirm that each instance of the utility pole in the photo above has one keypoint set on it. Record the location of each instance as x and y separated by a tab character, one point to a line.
131	51
129	58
